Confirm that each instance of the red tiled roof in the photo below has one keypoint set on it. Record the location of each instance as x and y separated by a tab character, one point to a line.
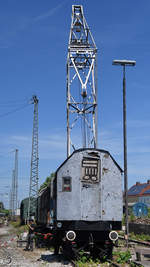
139	189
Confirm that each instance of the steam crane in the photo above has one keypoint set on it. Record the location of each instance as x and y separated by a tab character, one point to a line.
81	83
33	189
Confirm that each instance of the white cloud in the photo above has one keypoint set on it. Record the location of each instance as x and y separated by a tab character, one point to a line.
50	146
49	13
22	23
21	138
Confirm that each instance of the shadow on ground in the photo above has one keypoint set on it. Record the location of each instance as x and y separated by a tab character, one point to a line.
53	258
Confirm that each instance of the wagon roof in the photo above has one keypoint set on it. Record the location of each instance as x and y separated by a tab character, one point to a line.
91	149
43	190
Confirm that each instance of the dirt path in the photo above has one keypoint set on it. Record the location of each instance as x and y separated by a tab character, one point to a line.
20	258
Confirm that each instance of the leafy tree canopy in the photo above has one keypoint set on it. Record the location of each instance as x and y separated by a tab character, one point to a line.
47	181
6	212
1	206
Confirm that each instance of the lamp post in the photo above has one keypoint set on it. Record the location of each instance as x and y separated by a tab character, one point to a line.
125	63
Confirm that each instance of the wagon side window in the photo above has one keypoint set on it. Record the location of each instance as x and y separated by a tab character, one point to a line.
66	184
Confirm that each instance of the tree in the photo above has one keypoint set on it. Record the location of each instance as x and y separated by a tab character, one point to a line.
1	206
47	181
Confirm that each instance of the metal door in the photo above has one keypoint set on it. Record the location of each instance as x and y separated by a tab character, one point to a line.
90	202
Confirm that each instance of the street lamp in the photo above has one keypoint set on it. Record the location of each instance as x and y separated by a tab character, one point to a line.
125	63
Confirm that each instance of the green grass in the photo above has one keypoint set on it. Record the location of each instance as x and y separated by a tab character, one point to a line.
86	261
17	228
91	263
140	237
122	256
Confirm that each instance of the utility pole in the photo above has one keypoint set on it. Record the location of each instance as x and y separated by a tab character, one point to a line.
33	189
125	63
13	195
81	82
16	181
10	200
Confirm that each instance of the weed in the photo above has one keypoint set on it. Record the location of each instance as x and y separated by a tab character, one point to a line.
132	218
86	261
122	256
139	237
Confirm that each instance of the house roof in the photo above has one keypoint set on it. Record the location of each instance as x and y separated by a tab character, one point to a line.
147	192
139	189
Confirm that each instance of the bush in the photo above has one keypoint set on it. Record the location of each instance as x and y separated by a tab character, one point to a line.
132	217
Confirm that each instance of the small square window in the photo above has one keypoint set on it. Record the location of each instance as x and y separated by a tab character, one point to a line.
66	185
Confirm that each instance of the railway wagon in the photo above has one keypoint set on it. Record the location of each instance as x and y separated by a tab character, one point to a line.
24	211
86	202
43	207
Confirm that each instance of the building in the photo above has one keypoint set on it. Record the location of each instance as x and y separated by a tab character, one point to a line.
140	192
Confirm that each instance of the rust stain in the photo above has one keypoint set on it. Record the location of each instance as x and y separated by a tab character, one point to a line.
105	170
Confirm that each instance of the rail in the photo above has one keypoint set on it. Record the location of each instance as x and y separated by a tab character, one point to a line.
145	243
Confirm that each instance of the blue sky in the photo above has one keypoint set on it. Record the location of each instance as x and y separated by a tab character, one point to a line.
33	50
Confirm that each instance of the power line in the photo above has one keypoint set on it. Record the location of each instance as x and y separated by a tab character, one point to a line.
13	103
13	111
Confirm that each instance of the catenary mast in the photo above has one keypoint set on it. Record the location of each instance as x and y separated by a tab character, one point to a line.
33	189
81	83
16	180
13	195
14	188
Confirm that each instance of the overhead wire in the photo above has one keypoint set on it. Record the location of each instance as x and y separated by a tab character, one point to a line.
13	111
6	153
13	102
20	103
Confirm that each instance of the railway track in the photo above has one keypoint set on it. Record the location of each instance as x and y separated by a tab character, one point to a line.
144	243
74	263
141	251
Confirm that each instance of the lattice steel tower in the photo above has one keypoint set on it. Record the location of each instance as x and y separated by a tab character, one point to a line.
81	83
33	190
16	180
12	201
14	188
